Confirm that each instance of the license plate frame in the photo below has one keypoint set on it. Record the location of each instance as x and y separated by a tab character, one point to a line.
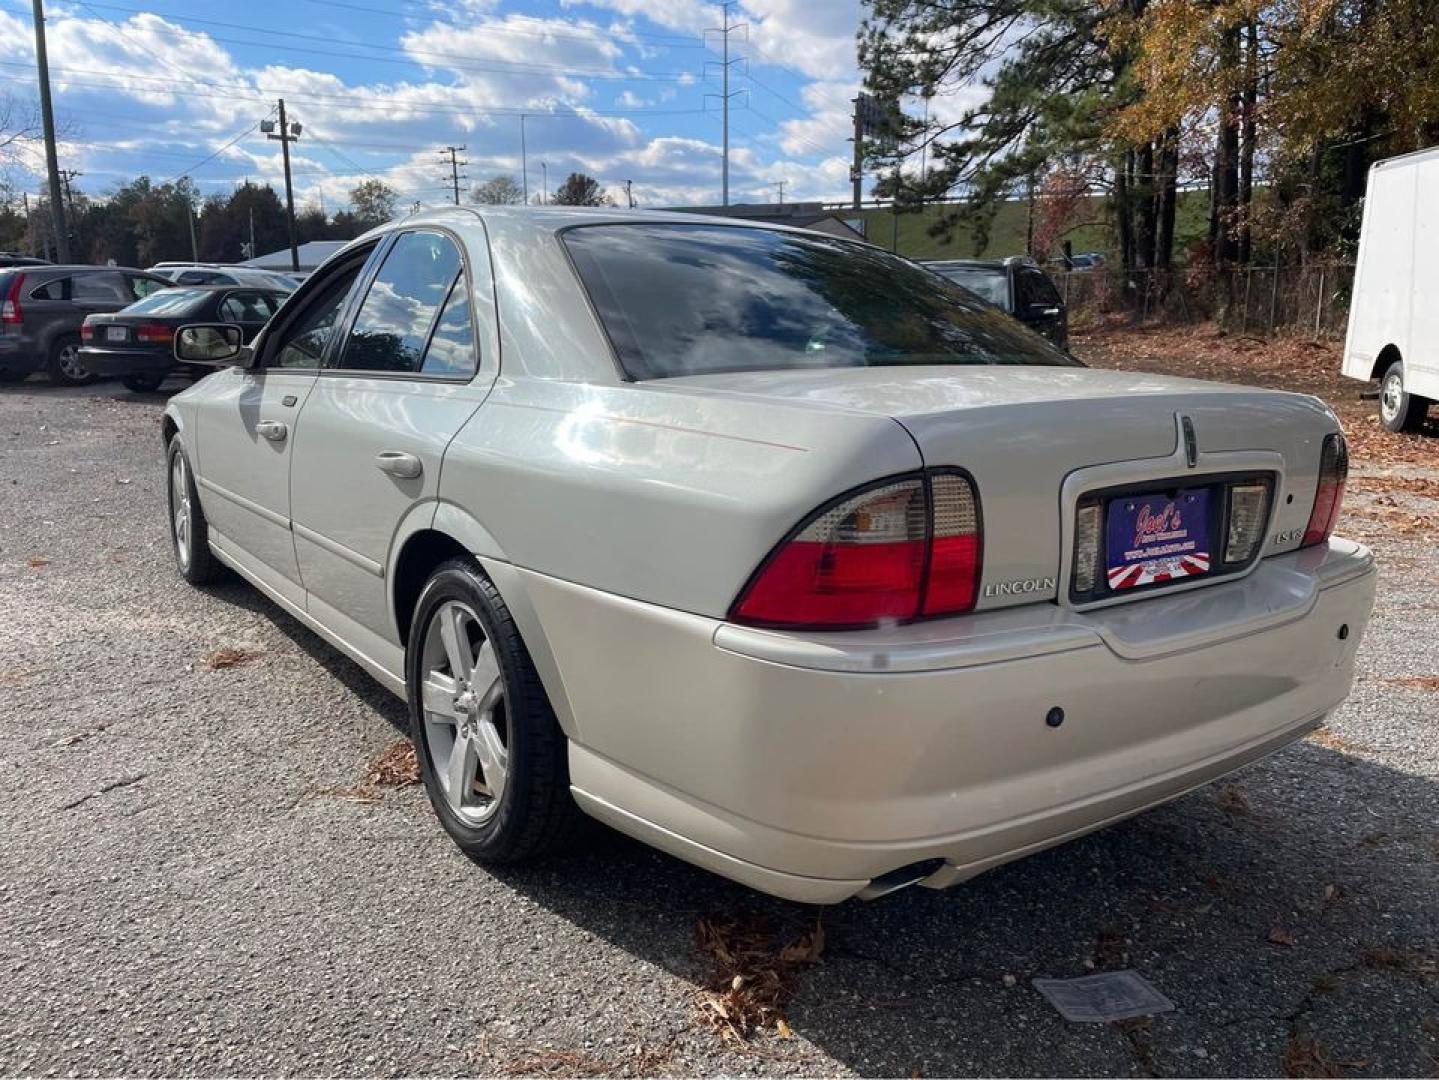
1160	537
116	334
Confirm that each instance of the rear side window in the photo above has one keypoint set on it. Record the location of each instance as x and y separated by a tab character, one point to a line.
452	346
169	302
394	322
991	285
679	299
51	290
246	307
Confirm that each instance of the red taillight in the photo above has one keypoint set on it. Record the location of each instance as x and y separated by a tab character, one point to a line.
1329	497
155	333
87	330
902	550
10	307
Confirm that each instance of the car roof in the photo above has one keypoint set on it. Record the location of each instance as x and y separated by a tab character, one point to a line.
967	264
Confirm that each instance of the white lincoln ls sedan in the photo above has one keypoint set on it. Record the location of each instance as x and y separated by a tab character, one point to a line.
778	552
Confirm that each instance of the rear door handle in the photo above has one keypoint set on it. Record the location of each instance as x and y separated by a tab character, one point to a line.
273	430
398	463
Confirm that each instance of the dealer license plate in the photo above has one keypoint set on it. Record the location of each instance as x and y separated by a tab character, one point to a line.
1157	538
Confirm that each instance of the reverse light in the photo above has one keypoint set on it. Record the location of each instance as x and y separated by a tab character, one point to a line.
10	307
1329	496
1248	515
896	551
1088	549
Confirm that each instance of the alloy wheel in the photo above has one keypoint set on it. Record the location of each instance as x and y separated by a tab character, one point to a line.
71	365
462	702
180	508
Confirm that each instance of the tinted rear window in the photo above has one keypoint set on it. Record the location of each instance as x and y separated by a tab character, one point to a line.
169	302
679	299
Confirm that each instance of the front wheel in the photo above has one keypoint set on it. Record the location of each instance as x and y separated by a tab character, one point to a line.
64	365
1400	410
147	383
189	531
492	755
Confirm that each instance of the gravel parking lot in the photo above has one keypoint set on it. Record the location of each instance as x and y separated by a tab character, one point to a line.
198	877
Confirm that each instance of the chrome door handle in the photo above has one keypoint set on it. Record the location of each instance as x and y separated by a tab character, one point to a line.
273	430
398	463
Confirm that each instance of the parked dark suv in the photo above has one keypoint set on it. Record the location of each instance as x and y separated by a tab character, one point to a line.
42	307
1016	286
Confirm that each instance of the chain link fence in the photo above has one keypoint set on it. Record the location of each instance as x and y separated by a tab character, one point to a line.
1257	300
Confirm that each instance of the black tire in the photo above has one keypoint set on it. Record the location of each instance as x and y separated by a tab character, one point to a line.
63	363
1400	410
146	383
535	814
9	375
194	559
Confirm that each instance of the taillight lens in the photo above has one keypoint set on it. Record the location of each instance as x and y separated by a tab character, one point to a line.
1088	548
10	307
893	552
155	333
87	330
1248	515
1329	497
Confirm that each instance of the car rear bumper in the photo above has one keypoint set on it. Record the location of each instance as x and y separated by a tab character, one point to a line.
18	354
809	765
115	362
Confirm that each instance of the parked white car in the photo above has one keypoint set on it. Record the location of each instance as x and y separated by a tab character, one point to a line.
776	551
1394	311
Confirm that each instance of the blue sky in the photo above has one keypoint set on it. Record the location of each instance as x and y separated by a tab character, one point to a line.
615	88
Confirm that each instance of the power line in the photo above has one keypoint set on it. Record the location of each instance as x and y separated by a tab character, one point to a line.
217	152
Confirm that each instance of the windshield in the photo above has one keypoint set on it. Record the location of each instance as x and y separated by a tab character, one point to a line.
679	299
169	302
991	285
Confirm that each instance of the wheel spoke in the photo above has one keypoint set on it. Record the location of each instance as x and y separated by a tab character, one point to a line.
485	675
456	640
460	772
438	697
493	756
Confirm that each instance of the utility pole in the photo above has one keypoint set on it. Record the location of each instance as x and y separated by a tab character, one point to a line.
629	193
253	252
856	170
545	182
455	164
66	175
190	218
288	134
524	162
780	184
47	116
725	64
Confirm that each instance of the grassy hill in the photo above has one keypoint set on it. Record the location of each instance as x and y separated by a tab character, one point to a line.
909	233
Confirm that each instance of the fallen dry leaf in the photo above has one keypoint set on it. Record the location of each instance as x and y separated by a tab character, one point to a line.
1417	682
229	656
38	562
396	766
1280	936
751	978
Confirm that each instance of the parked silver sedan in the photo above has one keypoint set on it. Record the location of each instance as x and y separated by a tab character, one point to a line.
771	549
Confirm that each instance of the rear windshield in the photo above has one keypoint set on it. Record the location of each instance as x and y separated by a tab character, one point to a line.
991	285
680	299
169	302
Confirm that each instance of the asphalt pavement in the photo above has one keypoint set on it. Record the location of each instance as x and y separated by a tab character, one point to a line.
198	880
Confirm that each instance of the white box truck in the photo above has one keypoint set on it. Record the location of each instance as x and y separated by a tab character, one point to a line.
1394	315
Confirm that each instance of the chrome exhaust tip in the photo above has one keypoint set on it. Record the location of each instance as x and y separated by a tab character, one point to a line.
902	878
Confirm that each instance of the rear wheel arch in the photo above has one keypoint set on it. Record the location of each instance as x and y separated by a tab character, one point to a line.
1387	356
454	533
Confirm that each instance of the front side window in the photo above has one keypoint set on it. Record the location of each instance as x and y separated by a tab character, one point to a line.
305	342
105	287
679	299
394	322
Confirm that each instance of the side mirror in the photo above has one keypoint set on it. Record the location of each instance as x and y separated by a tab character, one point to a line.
215	344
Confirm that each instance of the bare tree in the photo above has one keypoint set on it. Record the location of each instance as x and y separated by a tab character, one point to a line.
499	190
